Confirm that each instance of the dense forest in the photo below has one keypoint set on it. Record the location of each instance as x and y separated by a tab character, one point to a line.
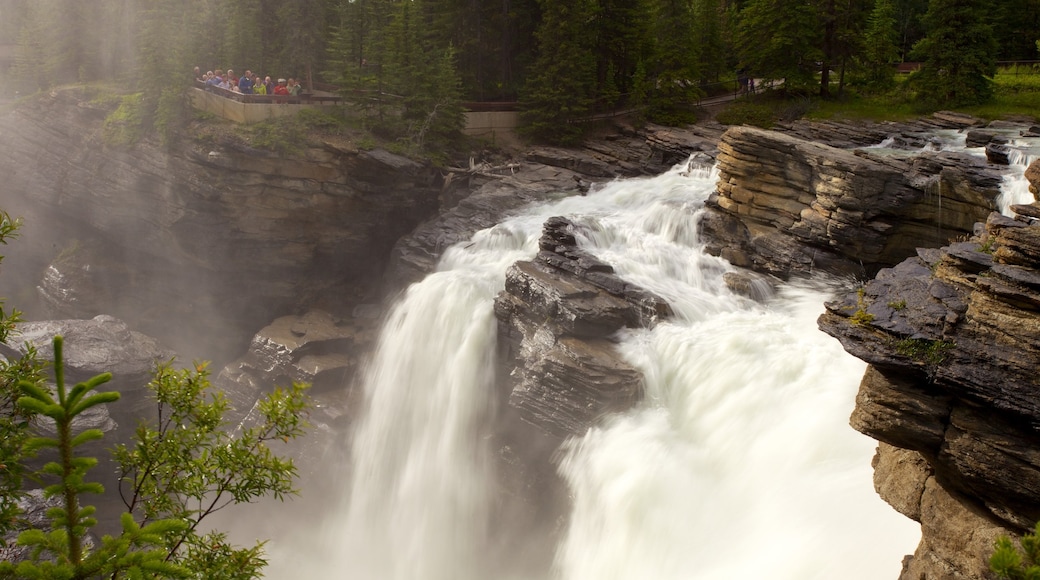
562	60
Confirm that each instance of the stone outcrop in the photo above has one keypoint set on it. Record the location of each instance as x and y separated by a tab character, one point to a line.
315	348
951	337
156	233
556	318
785	205
91	347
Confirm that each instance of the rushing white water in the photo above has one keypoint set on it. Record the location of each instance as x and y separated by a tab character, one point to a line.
1015	189
739	464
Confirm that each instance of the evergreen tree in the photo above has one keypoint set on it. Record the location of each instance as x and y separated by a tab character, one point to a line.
709	18
14	420
299	38
621	39
845	43
1009	562
909	25
561	85
780	40
674	72
356	51
958	54
1019	24
880	49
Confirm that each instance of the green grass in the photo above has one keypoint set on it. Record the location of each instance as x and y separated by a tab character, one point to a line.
1016	95
854	107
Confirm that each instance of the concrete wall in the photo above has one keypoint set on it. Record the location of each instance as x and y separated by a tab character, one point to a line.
233	110
498	127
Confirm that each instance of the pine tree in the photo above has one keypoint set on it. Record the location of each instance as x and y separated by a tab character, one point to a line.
709	29
958	54
561	84
780	40
674	71
880	51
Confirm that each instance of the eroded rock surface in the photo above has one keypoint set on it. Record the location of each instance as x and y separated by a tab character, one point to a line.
786	206
316	348
951	336
154	234
557	316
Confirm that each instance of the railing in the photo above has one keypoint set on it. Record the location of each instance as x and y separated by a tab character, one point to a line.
301	99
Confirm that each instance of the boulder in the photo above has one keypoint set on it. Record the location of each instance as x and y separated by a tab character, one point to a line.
998	153
99	345
317	348
1033	176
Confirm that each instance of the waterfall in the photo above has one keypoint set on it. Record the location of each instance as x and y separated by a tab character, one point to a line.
739	463
1015	187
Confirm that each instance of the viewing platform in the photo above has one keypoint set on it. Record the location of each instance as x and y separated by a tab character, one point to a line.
494	122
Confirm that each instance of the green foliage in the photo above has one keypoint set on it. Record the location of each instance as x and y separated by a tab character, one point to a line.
675	68
282	134
187	466
880	49
931	352
861	317
781	39
561	87
897	305
61	552
14	420
747	112
190	464
958	54
123	127
184	467
1009	562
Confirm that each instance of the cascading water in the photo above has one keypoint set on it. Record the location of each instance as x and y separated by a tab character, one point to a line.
1015	189
740	462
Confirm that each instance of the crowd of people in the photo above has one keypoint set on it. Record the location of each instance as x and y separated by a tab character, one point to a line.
249	83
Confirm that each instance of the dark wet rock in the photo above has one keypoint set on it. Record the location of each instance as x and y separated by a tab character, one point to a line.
417	254
952	341
998	153
556	316
978	137
1033	176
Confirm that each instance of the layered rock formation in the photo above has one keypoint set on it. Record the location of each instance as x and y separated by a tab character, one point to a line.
171	238
557	315
951	336
786	206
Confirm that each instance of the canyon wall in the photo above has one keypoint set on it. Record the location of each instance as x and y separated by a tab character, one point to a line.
949	328
171	238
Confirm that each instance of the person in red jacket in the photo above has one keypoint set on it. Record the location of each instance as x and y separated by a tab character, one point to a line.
281	90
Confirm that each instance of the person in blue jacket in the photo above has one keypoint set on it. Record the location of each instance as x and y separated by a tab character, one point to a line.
245	84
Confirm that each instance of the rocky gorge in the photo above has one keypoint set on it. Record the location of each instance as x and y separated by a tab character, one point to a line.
317	239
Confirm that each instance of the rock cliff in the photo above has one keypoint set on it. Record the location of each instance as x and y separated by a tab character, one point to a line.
788	206
169	238
951	336
557	316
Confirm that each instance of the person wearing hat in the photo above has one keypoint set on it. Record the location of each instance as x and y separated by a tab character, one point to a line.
281	90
